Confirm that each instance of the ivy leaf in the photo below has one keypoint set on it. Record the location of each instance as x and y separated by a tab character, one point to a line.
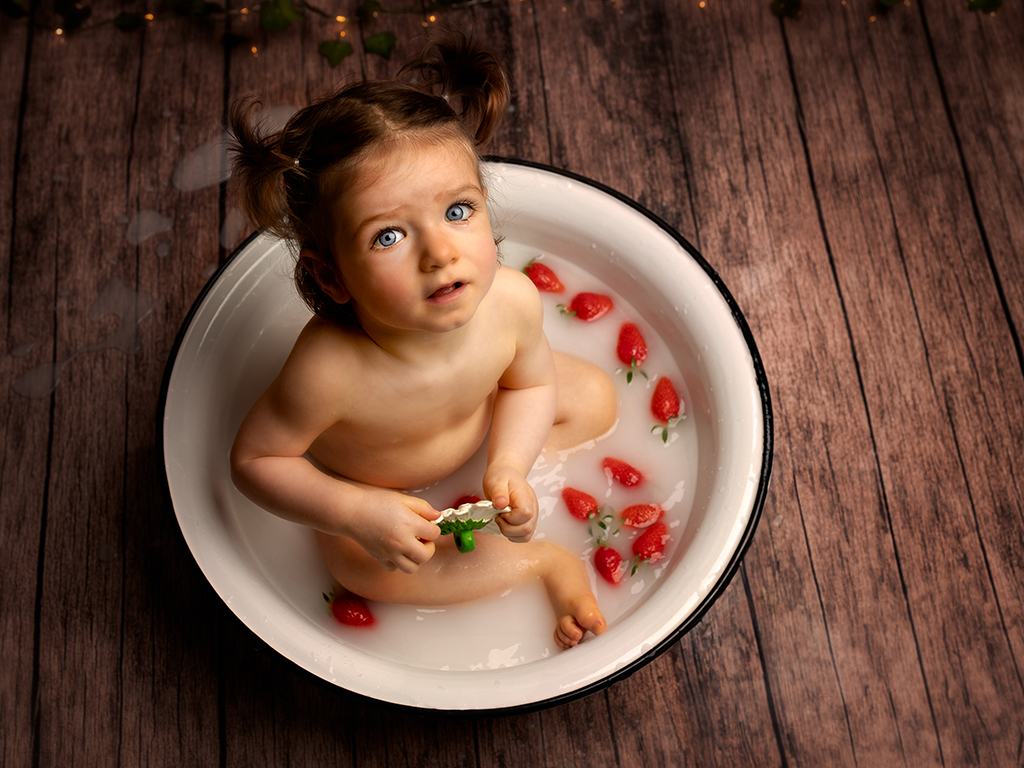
370	7
382	43
790	8
128	22
13	9
985	6
278	15
73	14
196	8
334	51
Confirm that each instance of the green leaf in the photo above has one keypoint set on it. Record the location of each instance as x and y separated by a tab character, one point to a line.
195	8
278	15
382	43
985	6
13	9
128	22
72	13
790	8
334	51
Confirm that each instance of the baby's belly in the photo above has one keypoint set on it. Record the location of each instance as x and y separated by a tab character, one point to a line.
407	463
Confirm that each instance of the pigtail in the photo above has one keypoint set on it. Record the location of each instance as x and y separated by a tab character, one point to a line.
258	167
469	77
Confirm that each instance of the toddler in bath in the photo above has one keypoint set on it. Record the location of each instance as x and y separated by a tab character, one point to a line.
422	345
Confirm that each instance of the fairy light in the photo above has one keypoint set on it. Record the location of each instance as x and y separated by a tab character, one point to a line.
254	51
58	31
432	18
148	17
703	4
342	33
340	19
244	11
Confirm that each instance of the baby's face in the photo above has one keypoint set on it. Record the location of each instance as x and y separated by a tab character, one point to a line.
413	244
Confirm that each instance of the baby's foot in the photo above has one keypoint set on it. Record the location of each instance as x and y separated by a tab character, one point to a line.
581	614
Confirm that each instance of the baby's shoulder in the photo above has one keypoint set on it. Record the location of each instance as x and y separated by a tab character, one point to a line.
324	355
516	292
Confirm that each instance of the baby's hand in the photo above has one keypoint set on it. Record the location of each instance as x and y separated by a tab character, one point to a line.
507	487
397	530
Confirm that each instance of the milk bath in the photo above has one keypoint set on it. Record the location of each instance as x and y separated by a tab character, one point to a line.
517	627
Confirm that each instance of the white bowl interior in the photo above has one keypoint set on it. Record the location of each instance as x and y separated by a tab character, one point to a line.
265	569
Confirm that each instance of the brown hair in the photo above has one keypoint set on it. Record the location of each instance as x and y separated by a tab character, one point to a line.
288	180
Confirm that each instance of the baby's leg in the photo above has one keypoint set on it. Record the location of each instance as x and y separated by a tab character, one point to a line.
587	403
494	567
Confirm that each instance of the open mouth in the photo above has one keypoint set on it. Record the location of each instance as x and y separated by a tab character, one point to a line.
445	290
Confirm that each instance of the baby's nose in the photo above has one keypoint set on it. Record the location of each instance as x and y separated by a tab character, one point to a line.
438	252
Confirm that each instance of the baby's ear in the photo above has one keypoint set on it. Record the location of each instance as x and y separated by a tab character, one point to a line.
326	276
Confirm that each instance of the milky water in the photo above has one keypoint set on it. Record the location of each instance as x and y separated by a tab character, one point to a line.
517	627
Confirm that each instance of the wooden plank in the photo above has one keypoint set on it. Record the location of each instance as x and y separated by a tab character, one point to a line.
929	334
170	652
26	292
69	238
978	60
822	573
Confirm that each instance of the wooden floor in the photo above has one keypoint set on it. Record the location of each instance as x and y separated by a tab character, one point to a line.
855	176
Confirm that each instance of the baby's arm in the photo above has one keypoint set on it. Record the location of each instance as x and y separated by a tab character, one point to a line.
524	410
267	465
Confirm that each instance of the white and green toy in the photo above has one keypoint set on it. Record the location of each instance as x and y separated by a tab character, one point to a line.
467	518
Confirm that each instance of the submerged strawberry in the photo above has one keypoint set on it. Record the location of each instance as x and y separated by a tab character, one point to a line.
589	306
649	546
622	472
608	563
543	277
350	609
581	505
641	515
631	349
666	407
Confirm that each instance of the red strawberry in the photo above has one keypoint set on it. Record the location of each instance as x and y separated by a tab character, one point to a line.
581	505
666	407
589	306
350	609
621	471
641	515
632	349
543	277
470	499
609	565
649	546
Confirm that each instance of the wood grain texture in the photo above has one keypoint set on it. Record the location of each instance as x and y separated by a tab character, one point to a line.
854	177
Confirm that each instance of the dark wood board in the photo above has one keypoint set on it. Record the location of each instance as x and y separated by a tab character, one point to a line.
853	176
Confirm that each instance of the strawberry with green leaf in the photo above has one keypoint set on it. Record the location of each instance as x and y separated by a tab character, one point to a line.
588	306
666	407
632	350
580	504
350	609
543	277
649	546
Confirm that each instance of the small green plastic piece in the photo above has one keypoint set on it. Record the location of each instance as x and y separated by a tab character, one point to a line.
462	530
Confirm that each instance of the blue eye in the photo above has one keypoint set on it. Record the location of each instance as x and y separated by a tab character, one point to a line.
388	237
458	212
